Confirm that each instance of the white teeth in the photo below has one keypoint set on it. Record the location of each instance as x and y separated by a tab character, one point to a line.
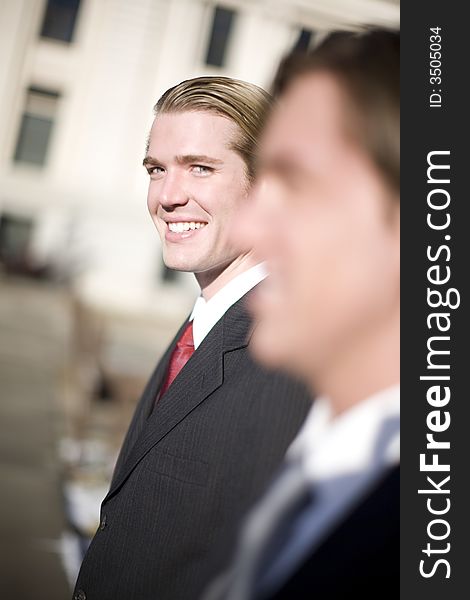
184	226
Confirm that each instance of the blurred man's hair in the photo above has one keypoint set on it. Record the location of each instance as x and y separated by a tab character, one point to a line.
245	104
367	66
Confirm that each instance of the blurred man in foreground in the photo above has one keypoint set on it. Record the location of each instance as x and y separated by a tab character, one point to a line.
212	425
326	214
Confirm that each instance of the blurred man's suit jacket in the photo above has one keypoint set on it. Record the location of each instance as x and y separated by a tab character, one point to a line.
328	526
360	559
190	468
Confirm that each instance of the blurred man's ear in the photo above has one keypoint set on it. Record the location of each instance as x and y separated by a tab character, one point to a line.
395	224
396	212
392	211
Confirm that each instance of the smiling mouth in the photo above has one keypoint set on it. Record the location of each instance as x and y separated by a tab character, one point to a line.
182	226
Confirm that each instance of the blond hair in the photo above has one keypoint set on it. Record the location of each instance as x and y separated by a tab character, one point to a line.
245	104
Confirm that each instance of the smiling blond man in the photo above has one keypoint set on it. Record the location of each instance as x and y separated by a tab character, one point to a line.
211	426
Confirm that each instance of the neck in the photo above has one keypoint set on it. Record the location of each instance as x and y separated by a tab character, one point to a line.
214	280
370	367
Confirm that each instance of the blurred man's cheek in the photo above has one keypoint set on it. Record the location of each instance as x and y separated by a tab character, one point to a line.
242	233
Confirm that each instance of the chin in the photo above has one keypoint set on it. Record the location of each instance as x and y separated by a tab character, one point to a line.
278	349
179	263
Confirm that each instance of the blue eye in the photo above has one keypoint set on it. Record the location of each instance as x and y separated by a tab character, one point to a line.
155	170
202	169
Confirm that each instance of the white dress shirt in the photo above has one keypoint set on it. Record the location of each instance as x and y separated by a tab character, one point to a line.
344	444
205	314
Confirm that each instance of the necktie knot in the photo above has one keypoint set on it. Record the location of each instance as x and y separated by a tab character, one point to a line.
186	339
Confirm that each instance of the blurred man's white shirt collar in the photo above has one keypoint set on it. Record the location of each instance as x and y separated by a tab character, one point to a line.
329	446
205	314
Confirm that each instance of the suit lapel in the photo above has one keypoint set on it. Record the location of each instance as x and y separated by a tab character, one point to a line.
145	406
199	378
157	381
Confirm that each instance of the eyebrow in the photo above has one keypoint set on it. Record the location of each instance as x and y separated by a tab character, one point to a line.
185	160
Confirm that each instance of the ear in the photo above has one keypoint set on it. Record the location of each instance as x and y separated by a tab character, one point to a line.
395	215
392	211
395	228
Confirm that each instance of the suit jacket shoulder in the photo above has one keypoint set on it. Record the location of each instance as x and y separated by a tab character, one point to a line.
361	556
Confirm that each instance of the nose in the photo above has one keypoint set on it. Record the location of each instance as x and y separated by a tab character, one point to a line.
169	192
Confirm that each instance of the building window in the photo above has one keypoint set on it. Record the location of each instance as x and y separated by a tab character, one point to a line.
222	25
15	235
304	40
59	19
36	126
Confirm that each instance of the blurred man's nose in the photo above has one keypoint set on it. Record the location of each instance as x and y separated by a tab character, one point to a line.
252	229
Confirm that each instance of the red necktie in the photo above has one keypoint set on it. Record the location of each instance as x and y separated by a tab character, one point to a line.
179	357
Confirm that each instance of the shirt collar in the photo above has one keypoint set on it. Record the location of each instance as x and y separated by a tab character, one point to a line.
205	314
329	446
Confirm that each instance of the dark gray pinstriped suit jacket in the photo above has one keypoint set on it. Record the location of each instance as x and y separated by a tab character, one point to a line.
189	470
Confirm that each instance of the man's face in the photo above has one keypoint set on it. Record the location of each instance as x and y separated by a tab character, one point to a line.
323	218
197	184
